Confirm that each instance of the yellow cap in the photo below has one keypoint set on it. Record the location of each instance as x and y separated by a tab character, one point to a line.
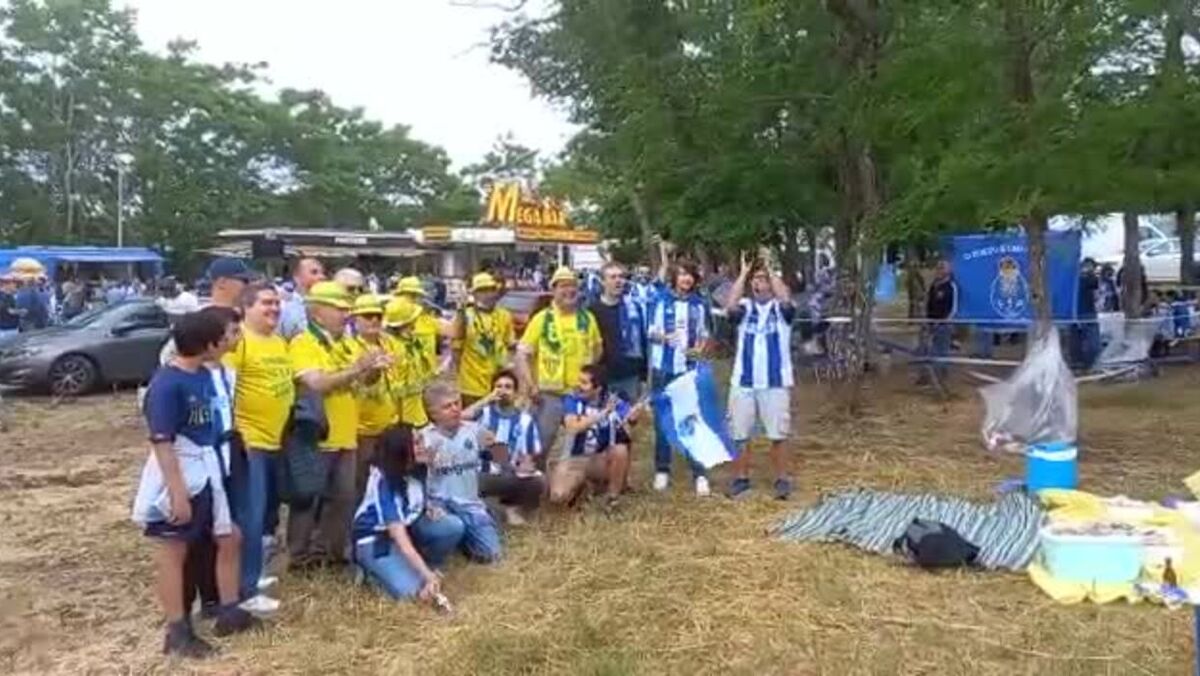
483	281
329	293
563	274
400	312
410	285
367	304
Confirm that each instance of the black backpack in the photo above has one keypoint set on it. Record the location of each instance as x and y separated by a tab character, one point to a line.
931	545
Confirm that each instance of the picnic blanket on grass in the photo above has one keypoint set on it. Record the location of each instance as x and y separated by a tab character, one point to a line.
1006	531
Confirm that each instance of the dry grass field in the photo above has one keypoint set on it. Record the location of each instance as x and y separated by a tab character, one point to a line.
671	585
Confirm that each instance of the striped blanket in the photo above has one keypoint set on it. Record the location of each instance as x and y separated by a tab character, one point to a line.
1006	532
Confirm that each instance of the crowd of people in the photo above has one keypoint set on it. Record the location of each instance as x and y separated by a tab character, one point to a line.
399	438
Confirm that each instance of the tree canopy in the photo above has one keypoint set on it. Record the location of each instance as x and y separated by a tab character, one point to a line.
200	148
727	122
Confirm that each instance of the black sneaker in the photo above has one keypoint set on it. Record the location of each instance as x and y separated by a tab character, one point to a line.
235	621
180	641
739	488
783	488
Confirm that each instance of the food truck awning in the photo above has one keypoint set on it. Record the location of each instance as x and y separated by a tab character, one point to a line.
53	256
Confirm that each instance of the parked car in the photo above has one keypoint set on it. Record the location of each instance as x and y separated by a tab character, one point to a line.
523	305
1160	260
115	344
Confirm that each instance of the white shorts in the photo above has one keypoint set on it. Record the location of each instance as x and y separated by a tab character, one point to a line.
771	407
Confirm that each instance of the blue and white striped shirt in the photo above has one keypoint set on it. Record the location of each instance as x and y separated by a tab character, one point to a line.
687	318
764	356
598	437
516	430
382	506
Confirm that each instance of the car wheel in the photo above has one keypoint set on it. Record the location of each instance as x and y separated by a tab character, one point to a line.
72	375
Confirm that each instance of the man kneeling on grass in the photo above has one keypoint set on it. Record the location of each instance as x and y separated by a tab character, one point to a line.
181	496
596	443
452	448
386	546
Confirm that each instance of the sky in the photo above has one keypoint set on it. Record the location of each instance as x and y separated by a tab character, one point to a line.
422	63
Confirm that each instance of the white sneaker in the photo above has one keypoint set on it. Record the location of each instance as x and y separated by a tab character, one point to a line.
662	481
266	582
702	488
260	605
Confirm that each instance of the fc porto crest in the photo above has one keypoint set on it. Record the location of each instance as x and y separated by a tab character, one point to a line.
686	427
1010	293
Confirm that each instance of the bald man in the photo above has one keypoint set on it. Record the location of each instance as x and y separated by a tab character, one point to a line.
293	317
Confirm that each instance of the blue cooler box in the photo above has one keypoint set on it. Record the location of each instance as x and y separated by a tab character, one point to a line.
1051	465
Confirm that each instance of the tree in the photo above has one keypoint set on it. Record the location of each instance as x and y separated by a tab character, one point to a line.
77	90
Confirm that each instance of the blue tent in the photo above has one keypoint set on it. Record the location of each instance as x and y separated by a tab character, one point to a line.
54	256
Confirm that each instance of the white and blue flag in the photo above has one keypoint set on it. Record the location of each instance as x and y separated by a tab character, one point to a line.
689	411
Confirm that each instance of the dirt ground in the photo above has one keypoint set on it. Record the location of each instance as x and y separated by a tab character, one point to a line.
671	585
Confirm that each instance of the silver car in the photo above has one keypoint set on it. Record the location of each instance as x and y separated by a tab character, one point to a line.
116	344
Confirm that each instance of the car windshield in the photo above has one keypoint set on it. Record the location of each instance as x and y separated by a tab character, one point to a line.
87	318
519	302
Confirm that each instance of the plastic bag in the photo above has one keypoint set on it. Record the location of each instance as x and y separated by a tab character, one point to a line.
1126	342
1037	404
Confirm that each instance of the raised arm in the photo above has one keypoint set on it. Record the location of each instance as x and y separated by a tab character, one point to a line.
739	286
782	293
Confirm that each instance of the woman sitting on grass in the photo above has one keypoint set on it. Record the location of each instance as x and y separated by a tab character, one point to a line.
394	500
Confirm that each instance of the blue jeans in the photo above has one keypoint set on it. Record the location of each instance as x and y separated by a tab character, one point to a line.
940	340
1087	344
437	539
386	566
662	447
259	495
480	539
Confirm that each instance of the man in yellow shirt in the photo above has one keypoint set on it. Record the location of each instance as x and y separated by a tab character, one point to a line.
263	395
327	364
428	327
411	365
482	336
558	342
377	409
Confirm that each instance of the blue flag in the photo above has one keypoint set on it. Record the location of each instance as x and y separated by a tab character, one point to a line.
993	275
691	417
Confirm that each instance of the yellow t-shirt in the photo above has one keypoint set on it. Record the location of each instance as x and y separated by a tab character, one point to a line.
565	343
484	348
341	410
411	371
264	390
376	401
426	331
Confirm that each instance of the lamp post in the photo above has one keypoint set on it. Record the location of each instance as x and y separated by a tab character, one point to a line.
123	161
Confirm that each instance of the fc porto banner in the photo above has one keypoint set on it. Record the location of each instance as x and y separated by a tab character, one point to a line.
993	275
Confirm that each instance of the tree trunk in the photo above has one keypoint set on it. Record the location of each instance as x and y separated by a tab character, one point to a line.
1185	228
69	170
1131	289
914	283
1035	234
645	227
789	256
1020	38
810	261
